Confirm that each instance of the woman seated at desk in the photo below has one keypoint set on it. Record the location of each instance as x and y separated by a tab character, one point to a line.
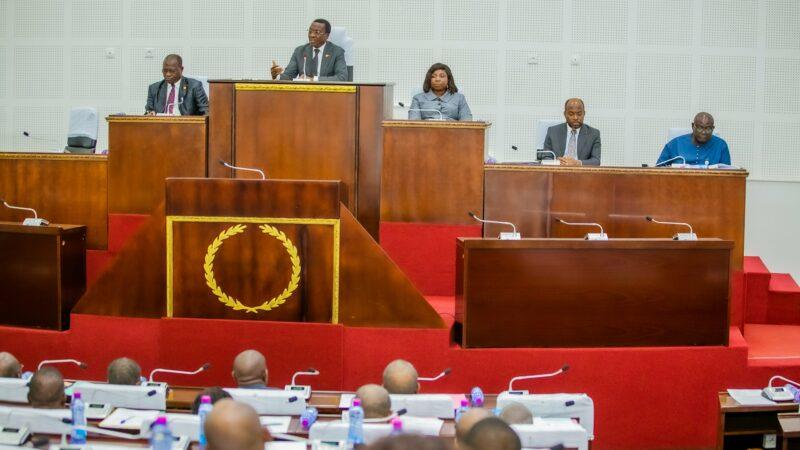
440	99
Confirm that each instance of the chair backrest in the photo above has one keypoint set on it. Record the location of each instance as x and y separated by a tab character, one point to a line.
204	81
339	37
541	131
82	133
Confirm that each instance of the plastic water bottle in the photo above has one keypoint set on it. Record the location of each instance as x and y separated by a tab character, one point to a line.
308	417
78	435
462	409
795	392
160	436
397	426
476	397
202	411
355	434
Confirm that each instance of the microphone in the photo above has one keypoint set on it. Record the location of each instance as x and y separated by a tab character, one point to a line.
34	221
247	169
38	139
303	73
442	374
174	104
80	364
391	416
202	368
690	236
779	394
513	236
670	160
544	162
441	116
310	371
303	390
563	369
601	236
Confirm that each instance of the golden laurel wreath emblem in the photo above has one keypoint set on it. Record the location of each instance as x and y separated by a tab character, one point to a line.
236	305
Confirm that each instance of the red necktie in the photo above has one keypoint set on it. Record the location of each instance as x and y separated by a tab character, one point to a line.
171	99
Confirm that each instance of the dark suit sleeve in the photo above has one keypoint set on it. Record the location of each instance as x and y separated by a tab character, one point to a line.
594	156
201	100
291	71
339	68
151	98
548	145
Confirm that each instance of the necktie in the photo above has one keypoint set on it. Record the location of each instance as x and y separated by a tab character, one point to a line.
314	62
171	99
572	146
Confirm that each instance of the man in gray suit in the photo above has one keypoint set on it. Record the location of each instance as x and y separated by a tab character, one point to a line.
319	60
579	147
175	94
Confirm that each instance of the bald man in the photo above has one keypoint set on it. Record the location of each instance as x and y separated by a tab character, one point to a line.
492	434
516	413
375	401
573	142
700	147
250	370
400	377
234	426
46	389
467	421
9	366
124	371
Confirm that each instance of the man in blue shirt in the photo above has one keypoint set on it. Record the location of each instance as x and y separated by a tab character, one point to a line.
700	147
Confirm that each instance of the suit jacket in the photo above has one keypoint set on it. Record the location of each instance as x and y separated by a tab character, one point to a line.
588	143
333	66
192	97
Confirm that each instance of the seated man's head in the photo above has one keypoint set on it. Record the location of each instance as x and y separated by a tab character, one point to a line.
46	389
216	394
400	377
234	426
492	434
9	366
124	371
516	413
250	369
375	401
410	442
467	421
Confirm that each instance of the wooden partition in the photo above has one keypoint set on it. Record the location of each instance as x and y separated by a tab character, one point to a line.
432	171
578	293
309	131
144	150
62	188
533	197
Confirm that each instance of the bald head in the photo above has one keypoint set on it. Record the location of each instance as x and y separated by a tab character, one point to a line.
234	426
400	377
492	434
516	413
124	371
375	401
468	420
250	368
46	389
9	366
574	113
702	127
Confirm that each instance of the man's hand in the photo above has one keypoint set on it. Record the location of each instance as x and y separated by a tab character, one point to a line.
275	70
567	161
149	113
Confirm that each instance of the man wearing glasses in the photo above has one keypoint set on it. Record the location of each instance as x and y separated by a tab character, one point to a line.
319	60
700	147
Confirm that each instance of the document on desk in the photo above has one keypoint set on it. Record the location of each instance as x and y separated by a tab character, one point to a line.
128	419
276	424
749	397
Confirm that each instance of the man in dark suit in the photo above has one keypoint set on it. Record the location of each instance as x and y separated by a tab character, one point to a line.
176	94
319	60
578	147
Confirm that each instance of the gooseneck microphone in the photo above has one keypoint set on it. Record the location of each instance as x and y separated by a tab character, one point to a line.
442	374
670	160
690	236
601	236
35	221
80	364
563	369
202	368
503	235
310	371
441	116
544	162
246	169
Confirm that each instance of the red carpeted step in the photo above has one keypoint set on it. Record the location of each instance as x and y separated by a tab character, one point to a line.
773	345
756	287
783	305
783	283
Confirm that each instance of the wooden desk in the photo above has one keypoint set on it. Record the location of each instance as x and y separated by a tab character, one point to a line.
578	293
144	150
42	274
432	171
62	188
790	431
304	131
745	426
532	197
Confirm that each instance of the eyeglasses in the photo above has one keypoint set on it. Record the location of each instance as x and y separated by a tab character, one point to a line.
704	129
316	32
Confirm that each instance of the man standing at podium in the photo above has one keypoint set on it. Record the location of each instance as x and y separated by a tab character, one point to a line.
319	60
574	143
176	95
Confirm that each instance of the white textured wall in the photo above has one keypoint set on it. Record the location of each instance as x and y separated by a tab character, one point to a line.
772	225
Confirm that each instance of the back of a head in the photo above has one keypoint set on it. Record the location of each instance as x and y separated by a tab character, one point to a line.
46	388
410	442
9	366
234	426
250	368
492	434
516	413
375	400
468	420
400	377
124	371
216	394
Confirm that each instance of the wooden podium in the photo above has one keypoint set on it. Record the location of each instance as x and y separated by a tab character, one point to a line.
432	171
144	150
578	293
304	131
42	274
